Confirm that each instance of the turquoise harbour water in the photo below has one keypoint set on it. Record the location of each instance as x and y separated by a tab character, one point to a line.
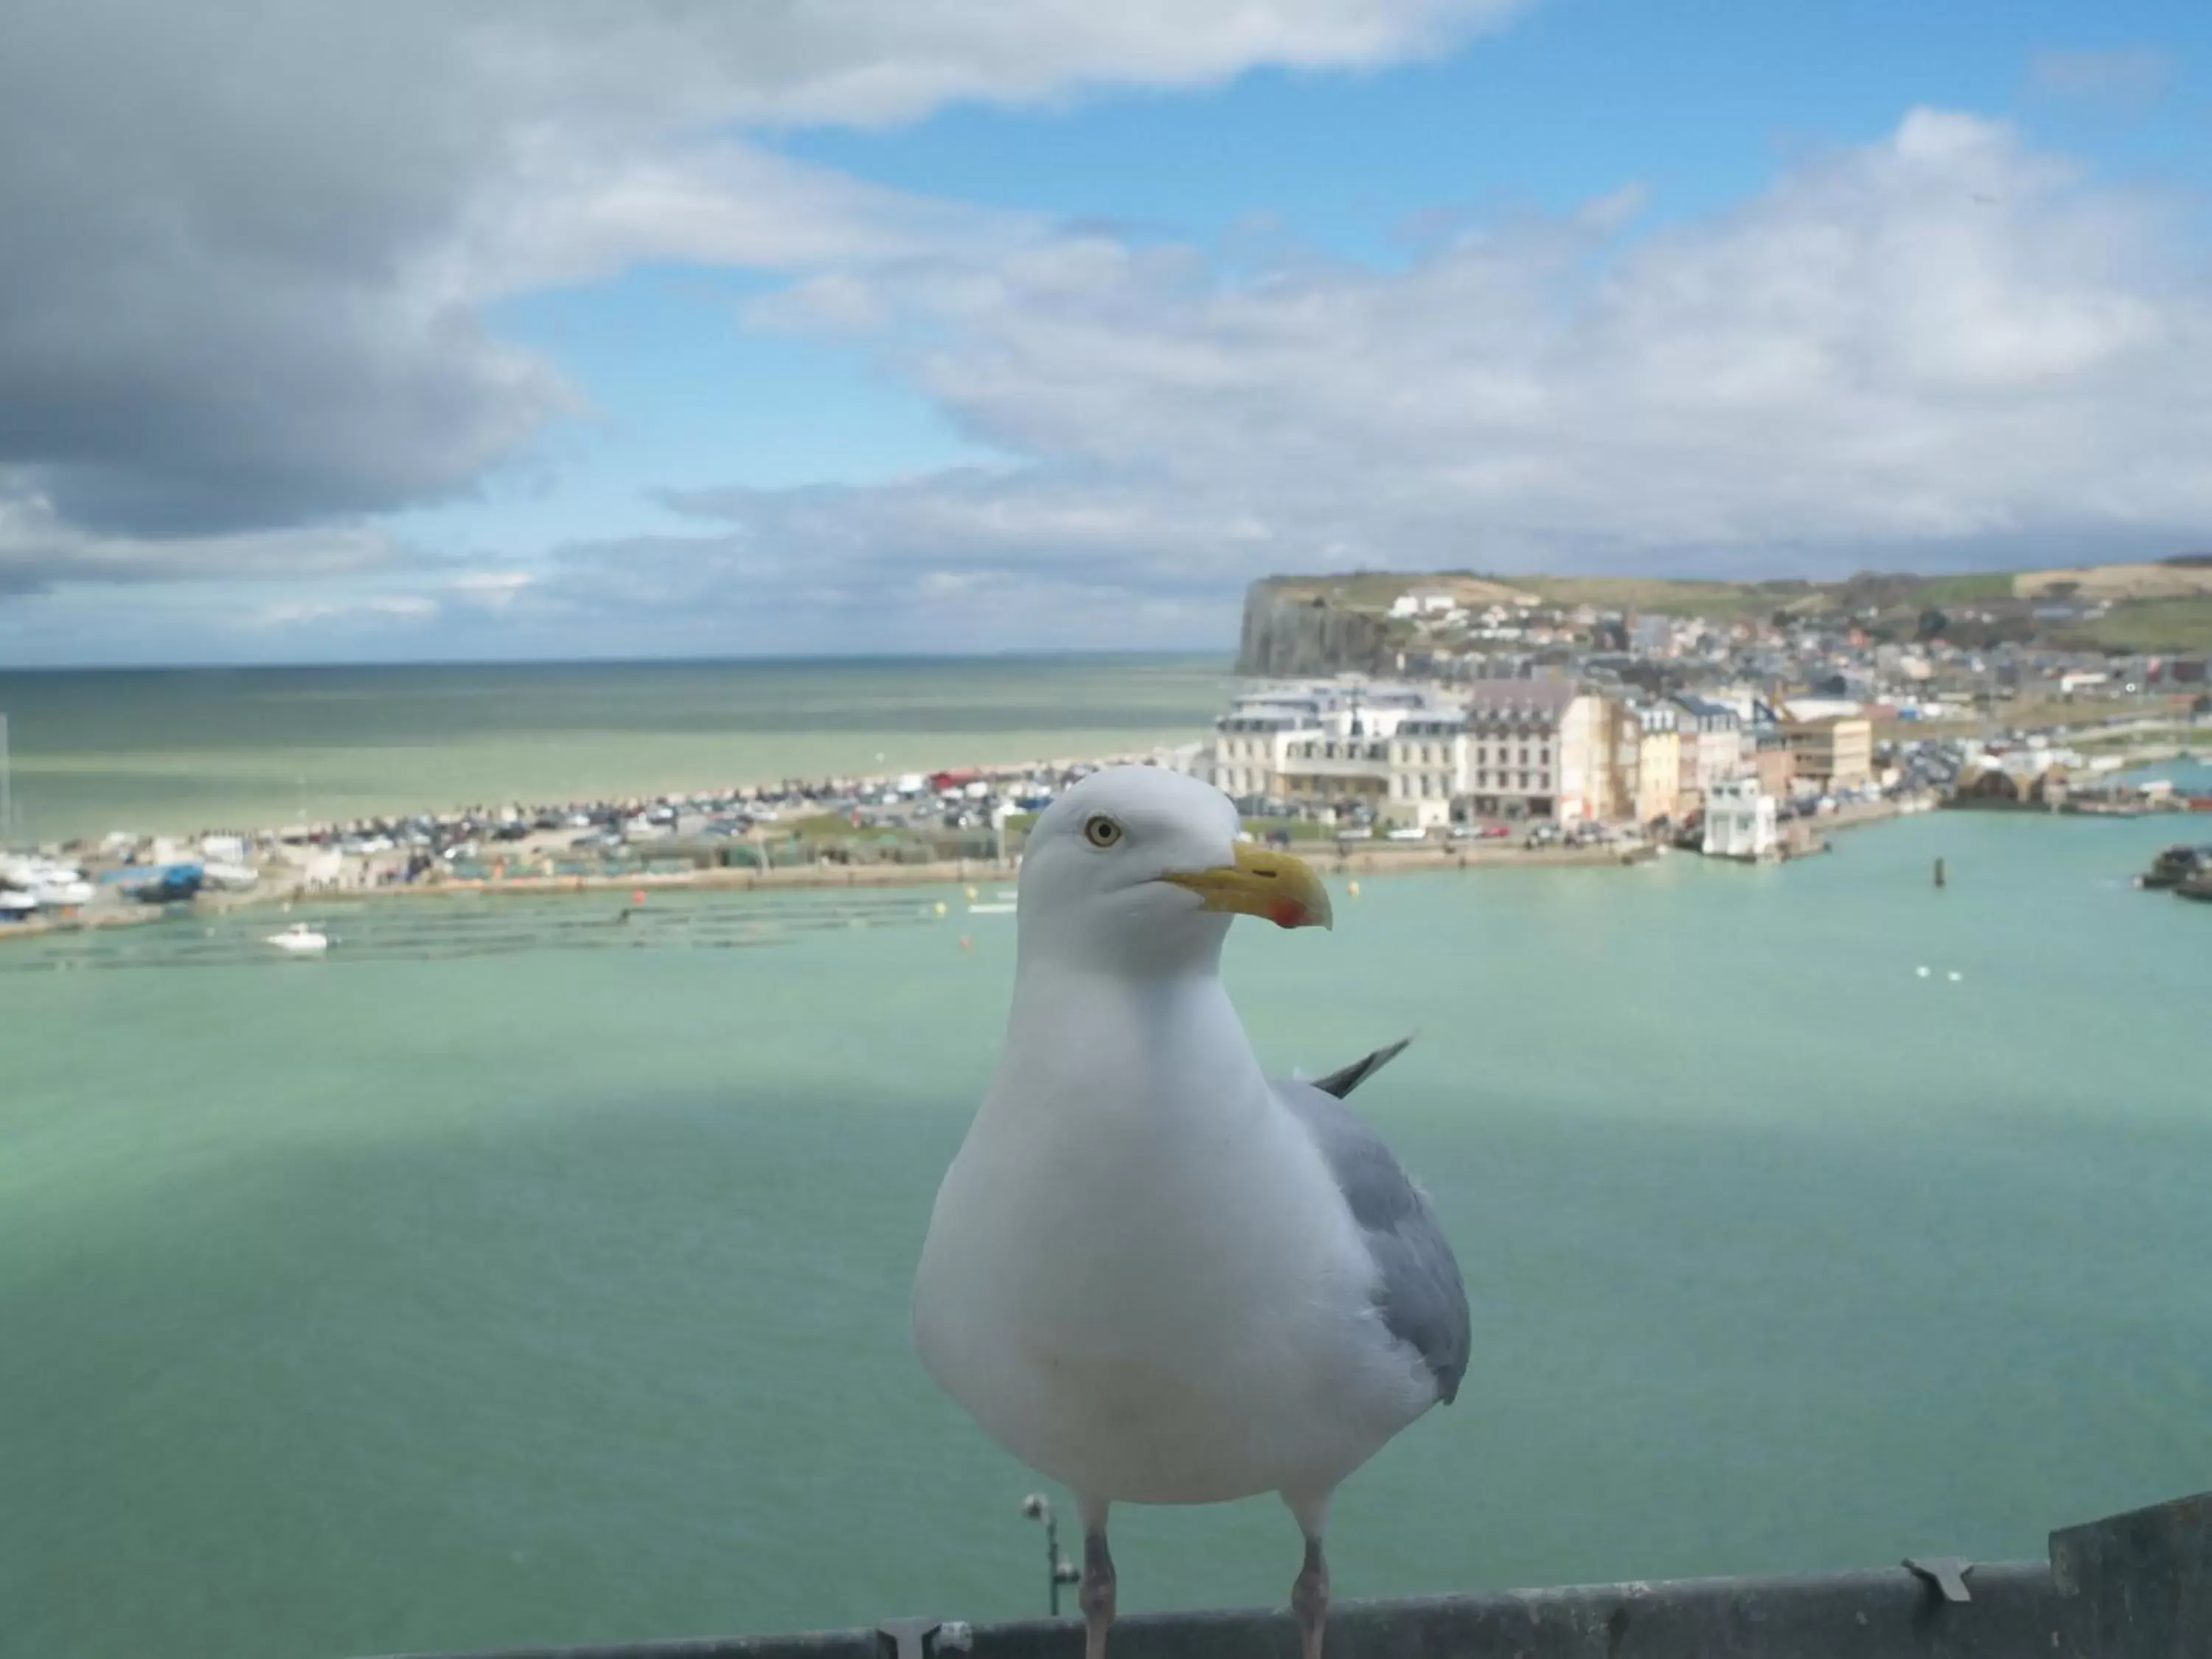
553	1291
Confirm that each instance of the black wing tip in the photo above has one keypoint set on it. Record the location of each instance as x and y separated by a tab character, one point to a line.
1342	1082
1448	1369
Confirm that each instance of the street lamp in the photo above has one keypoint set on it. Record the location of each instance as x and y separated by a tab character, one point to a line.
1059	1569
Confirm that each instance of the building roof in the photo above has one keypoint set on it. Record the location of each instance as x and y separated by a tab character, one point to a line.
1491	700
1705	709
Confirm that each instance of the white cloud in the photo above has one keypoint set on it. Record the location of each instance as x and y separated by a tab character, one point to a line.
491	590
1943	349
2132	75
383	607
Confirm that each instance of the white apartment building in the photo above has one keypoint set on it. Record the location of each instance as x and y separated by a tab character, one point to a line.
1349	759
1428	768
1423	605
1538	748
1544	749
1331	745
1712	747
1252	741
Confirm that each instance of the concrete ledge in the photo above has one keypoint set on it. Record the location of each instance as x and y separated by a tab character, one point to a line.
2138	1586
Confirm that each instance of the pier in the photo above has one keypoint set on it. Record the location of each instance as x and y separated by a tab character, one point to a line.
2135	1586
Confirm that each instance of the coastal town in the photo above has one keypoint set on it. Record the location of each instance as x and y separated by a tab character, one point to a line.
1441	724
1581	718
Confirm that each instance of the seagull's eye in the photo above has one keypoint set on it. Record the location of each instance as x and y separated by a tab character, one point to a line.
1101	831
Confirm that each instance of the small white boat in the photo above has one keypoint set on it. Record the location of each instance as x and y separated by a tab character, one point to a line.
54	884
16	903
300	938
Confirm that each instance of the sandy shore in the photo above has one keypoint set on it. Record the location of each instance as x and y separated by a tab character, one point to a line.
1363	861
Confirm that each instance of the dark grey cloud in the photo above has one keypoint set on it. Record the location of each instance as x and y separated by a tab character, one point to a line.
40	551
247	247
208	322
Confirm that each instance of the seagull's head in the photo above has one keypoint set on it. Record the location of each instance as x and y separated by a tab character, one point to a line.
1136	867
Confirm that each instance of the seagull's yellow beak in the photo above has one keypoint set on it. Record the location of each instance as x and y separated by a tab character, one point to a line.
1275	885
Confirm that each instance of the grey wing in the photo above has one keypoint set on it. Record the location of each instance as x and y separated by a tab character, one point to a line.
1423	1300
1342	1081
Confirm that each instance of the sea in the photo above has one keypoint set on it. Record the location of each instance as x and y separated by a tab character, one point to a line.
184	749
514	1275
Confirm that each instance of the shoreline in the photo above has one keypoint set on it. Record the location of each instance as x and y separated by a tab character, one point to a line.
1351	861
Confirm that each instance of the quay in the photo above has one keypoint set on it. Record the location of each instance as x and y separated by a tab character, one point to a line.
2133	1586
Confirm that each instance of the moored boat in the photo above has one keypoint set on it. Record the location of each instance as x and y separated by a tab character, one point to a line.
2175	866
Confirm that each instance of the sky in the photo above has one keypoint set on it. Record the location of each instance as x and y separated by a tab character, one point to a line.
525	329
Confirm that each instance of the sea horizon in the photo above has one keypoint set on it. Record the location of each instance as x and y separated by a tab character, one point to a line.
188	748
1022	654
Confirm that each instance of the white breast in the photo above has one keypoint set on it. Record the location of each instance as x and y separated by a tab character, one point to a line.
1141	1279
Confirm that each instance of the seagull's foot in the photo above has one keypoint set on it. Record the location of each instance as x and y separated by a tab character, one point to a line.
1096	1594
1309	1599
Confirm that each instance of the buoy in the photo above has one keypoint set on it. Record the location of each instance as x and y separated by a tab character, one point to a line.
966	942
971	895
1353	888
638	897
942	907
1923	972
1956	977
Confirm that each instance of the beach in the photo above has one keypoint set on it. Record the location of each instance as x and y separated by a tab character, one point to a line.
181	751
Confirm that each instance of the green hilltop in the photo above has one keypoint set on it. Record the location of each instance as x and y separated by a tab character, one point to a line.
2164	607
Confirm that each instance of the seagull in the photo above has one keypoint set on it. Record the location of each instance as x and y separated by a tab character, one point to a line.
1153	1272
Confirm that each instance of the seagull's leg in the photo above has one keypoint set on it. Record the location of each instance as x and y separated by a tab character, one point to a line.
1096	1594
1310	1593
